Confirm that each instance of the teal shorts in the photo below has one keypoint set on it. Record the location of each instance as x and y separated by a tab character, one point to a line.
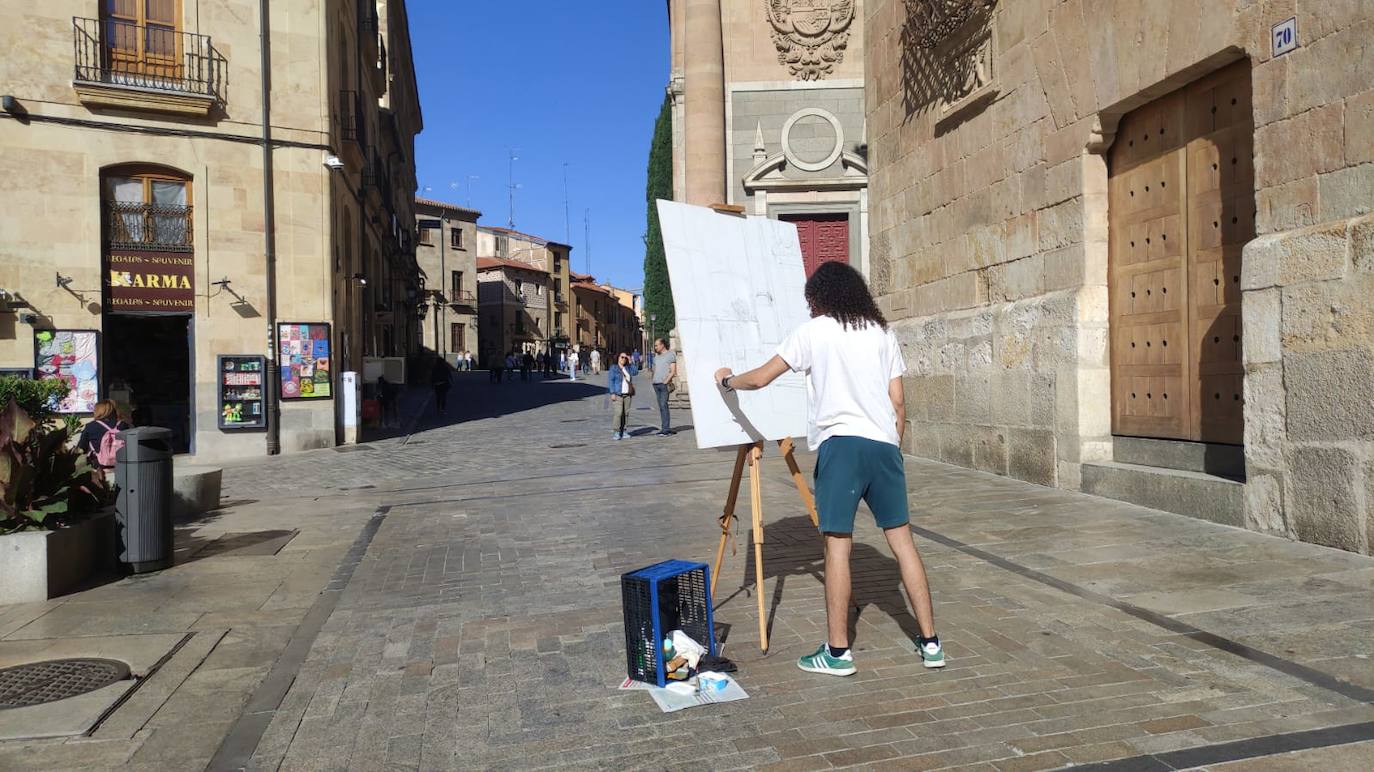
852	468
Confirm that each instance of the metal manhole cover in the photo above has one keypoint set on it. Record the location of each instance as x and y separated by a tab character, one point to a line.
35	683
570	445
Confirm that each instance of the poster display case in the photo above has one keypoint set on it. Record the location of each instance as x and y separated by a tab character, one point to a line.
242	381
72	356
307	369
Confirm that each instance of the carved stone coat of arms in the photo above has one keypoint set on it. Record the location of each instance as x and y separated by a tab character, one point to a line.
811	35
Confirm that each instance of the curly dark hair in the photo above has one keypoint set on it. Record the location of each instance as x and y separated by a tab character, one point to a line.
840	292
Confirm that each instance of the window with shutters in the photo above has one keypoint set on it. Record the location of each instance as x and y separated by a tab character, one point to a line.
136	55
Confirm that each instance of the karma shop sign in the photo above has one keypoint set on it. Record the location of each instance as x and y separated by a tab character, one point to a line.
150	281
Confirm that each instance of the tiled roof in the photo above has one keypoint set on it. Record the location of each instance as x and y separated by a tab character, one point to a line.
487	263
510	232
445	205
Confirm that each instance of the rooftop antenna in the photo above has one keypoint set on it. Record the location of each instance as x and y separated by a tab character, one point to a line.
510	180
471	177
567	227
587	238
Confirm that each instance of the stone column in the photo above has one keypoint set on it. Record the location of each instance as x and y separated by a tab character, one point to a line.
704	73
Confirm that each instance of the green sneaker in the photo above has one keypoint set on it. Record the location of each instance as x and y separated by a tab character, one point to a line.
932	654
822	662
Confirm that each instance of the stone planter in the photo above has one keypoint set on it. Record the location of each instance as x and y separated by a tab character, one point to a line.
195	490
38	565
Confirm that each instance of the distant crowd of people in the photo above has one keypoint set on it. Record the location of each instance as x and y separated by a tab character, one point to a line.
576	361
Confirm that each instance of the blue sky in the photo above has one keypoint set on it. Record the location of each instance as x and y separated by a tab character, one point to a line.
561	82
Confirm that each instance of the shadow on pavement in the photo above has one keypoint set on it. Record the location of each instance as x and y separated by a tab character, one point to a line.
474	396
792	548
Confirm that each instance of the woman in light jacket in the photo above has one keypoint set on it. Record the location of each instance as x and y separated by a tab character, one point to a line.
621	385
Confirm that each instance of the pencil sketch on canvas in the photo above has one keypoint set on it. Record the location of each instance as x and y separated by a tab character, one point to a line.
737	289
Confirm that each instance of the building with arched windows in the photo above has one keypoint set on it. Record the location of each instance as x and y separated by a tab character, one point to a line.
169	226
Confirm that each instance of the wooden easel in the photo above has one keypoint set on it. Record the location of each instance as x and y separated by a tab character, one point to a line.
752	454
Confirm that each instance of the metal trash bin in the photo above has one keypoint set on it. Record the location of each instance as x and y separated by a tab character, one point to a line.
143	506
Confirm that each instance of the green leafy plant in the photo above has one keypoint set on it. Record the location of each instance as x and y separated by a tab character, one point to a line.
658	292
44	483
37	398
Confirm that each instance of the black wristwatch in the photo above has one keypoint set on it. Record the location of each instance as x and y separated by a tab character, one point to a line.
725	383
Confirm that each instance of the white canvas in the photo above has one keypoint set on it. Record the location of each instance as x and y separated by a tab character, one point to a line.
737	289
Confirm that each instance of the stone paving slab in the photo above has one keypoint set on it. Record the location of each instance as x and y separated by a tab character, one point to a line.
481	628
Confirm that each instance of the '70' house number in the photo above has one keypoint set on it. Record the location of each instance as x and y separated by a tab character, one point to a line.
1285	35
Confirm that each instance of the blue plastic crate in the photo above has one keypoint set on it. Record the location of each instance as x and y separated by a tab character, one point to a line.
667	596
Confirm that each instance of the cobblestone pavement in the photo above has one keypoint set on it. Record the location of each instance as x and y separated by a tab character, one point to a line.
477	623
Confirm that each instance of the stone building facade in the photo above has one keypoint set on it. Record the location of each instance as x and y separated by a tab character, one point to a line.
513	300
1128	250
548	256
768	113
604	316
134	143
447	255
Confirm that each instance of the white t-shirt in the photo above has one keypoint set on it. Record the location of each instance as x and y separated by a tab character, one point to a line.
847	374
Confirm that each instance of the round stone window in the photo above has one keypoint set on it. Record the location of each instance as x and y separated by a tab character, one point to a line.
812	139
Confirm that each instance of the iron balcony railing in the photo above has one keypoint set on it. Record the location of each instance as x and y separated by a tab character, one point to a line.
160	227
367	16
119	53
352	124
461	298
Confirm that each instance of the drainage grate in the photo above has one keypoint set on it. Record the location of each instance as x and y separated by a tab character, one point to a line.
35	683
570	445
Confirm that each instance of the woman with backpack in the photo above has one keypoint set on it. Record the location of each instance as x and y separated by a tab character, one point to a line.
100	438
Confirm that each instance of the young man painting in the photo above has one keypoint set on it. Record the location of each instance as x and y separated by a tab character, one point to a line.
853	368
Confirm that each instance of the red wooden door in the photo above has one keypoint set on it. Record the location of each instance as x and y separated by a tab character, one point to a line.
823	237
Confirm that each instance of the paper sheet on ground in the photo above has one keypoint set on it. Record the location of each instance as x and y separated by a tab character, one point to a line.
670	702
737	291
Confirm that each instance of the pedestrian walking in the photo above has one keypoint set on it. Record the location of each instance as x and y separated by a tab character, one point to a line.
526	365
584	360
104	420
596	361
665	382
853	368
386	394
440	379
572	363
621	386
497	364
511	364
636	359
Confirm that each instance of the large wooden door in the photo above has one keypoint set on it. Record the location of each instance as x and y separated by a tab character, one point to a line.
824	237
1181	198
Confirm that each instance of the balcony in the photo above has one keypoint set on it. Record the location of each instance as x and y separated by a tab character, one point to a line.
148	227
457	298
352	121
370	42
145	67
376	177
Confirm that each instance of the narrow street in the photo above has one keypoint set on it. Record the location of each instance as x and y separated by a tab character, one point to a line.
470	618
